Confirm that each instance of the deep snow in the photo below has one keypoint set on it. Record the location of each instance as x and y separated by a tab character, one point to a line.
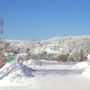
47	75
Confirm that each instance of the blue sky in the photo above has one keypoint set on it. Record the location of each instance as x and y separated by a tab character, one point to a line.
42	19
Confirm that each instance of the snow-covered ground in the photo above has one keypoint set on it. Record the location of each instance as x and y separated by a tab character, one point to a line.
45	75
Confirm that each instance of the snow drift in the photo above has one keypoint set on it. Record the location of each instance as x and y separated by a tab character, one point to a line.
85	66
86	72
81	65
14	70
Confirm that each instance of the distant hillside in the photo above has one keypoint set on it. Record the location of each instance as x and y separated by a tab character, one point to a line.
73	43
59	48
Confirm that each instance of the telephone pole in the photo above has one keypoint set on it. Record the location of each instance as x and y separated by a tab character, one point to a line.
1	27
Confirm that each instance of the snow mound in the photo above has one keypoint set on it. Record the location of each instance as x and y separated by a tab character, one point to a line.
20	72
14	70
86	72
81	65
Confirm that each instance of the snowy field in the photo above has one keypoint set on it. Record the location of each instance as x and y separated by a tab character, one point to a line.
44	75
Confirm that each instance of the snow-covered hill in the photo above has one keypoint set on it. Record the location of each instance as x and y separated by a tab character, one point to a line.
74	47
73	43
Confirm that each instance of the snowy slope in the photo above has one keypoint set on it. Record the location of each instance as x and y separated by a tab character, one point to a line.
65	80
73	43
48	75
